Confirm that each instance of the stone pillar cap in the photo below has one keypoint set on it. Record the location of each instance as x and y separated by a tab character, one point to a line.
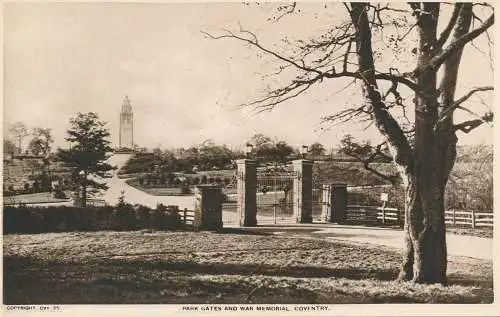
302	161
208	186
339	184
245	161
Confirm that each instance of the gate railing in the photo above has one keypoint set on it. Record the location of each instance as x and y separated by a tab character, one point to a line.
275	196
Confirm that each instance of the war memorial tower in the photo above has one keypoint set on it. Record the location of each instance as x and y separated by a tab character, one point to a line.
126	125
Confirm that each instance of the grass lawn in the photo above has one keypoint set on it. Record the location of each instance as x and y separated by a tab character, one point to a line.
162	191
34	198
230	267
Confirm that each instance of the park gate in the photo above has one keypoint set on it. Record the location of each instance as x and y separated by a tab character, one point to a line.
266	197
275	197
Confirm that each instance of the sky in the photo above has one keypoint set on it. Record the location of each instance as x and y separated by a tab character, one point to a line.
64	58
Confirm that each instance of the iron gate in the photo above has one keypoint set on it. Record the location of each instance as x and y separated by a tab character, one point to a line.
275	197
229	203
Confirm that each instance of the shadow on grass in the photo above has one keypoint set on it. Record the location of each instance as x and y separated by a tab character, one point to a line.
169	282
248	231
27	281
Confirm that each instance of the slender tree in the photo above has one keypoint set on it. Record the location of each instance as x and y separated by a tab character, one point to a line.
89	150
19	132
423	145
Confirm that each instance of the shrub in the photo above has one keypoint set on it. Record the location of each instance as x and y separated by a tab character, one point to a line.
143	216
59	194
124	216
185	189
204	179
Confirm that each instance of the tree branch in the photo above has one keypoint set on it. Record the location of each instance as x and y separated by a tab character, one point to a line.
357	151
447	31
470	125
320	74
459	101
459	43
385	122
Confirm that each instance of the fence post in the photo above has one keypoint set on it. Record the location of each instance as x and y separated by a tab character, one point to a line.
247	192
473	215
383	212
453	217
185	216
302	191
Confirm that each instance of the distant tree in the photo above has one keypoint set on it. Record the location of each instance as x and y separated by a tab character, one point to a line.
368	154
260	140
41	143
90	148
9	147
317	149
19	131
280	151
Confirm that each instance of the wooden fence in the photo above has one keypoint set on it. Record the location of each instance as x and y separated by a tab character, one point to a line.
469	218
373	214
92	202
381	215
187	217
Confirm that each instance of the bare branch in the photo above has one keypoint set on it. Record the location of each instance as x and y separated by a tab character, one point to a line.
470	93
457	104
385	122
367	154
300	64
470	125
458	44
447	31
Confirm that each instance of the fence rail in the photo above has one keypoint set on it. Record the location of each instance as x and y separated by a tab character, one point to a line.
373	214
187	217
91	202
469	218
376	214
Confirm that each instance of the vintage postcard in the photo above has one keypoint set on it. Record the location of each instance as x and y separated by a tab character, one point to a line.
206	158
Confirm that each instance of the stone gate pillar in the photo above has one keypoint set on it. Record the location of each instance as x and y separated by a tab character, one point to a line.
339	202
302	191
208	208
247	192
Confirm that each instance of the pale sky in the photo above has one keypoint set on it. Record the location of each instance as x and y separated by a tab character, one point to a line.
64	58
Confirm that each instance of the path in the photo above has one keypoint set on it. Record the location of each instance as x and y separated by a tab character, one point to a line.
457	245
135	196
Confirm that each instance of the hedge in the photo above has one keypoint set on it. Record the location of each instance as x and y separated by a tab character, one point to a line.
63	218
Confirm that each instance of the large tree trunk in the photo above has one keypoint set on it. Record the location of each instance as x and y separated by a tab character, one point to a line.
425	166
424	256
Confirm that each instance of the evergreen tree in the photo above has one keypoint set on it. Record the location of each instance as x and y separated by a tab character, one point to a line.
89	150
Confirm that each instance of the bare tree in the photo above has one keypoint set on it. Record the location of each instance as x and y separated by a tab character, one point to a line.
19	131
422	146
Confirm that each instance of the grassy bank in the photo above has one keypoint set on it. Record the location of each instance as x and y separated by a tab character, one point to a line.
231	267
35	198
